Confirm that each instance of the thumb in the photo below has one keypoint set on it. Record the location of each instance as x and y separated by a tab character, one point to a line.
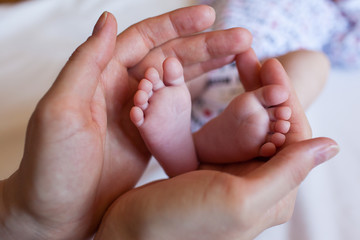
248	67
286	170
80	76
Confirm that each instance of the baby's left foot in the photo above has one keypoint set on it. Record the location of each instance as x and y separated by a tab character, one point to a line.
162	114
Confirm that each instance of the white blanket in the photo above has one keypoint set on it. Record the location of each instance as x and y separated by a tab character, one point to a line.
37	37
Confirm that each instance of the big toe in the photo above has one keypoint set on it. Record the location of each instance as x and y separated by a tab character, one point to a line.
272	95
173	72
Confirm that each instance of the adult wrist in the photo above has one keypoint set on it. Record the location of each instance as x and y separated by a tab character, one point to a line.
2	209
5	232
15	223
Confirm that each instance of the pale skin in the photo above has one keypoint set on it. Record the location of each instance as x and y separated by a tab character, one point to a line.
246	197
237	203
218	140
254	124
308	71
82	152
166	127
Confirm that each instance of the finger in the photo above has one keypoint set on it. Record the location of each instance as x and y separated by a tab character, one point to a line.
80	76
197	69
285	171
204	48
152	32
248	66
210	45
201	52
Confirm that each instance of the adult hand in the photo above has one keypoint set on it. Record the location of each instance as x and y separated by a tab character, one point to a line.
235	201
82	150
238	202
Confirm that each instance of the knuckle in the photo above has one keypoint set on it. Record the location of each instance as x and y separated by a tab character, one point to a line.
285	211
297	175
146	33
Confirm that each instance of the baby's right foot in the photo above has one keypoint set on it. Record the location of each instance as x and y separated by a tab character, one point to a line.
162	114
254	124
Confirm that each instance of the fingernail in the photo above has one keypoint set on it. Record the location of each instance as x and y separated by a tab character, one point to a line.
100	23
325	153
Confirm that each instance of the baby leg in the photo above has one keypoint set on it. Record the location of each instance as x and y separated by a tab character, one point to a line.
162	114
308	71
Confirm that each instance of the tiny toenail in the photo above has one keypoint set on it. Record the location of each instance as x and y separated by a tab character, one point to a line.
158	85
144	106
178	81
139	123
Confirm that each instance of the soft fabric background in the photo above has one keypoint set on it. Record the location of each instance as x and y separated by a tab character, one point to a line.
38	36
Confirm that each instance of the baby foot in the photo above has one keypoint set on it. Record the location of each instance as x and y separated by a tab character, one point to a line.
162	114
254	124
272	72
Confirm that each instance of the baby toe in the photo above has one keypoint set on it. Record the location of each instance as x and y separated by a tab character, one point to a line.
146	86
267	150
283	113
279	113
173	72
278	139
272	95
153	76
141	99
137	116
281	126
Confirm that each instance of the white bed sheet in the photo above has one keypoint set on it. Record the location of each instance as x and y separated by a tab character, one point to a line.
37	37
